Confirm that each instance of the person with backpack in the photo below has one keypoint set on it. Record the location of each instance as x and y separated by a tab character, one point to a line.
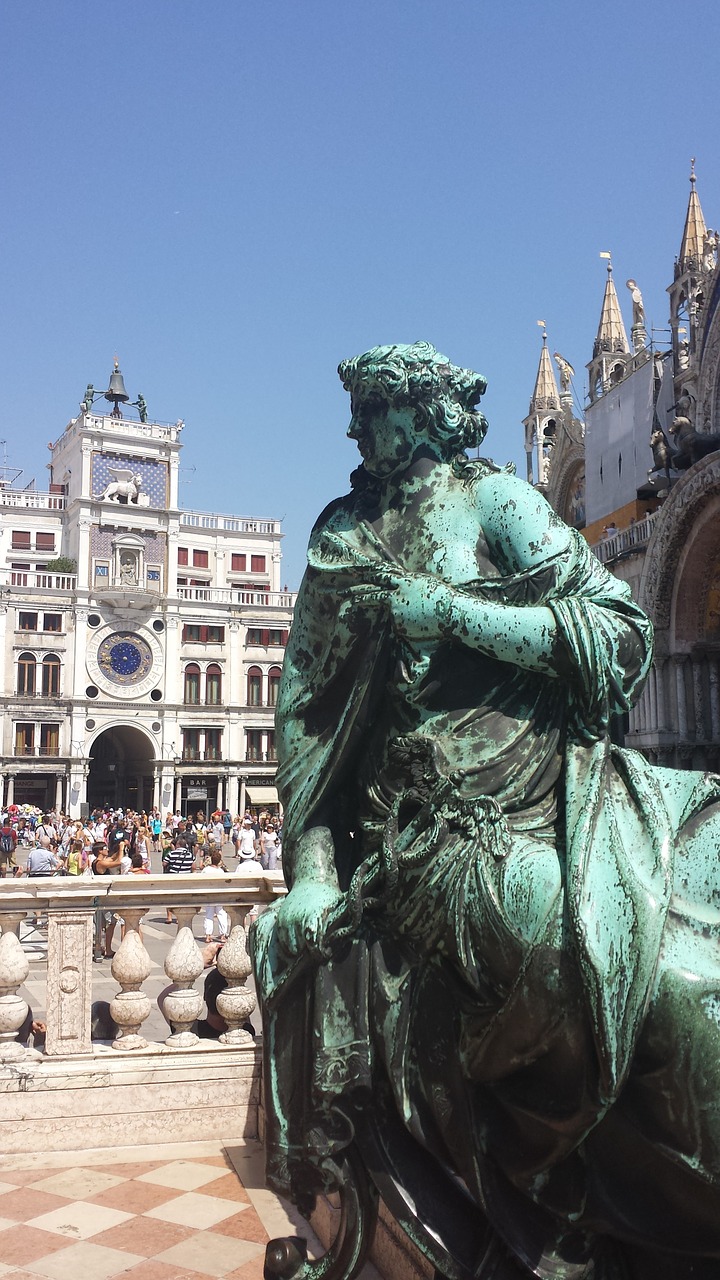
8	845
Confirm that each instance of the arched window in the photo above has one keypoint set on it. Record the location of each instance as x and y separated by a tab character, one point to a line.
26	673
51	676
273	685
254	687
191	696
213	685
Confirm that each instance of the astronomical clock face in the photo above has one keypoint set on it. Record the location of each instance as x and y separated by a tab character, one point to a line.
123	663
124	658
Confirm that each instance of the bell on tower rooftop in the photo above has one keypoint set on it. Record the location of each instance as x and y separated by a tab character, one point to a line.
116	392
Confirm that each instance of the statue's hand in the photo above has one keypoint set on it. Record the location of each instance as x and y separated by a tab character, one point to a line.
420	605
302	915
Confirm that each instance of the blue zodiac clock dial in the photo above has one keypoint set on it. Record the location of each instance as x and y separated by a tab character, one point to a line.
124	658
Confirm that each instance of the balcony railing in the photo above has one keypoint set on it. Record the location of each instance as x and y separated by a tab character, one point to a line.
232	524
108	424
42	581
233	595
34	501
626	542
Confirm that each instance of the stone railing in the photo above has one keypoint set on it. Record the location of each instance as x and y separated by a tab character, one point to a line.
26	578
232	524
122	1071
117	426
627	541
32	499
71	906
239	596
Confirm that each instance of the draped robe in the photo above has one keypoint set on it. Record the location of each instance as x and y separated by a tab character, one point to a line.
571	980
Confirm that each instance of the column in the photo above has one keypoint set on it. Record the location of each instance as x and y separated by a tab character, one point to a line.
243	805
219	794
58	794
714	700
233	800
166	789
78	787
11	789
2	790
640	710
660	694
681	698
652	691
178	793
698	700
156	787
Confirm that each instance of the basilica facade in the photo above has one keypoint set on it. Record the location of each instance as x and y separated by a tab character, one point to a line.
143	644
637	470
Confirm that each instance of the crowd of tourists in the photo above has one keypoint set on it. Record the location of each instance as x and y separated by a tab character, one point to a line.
120	842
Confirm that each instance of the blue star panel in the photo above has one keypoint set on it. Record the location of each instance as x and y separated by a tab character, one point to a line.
154	476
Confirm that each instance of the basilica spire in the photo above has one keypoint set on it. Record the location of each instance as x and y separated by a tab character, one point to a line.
545	395
694	231
611	335
688	292
611	352
543	415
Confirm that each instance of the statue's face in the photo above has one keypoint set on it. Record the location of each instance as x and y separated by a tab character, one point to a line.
385	437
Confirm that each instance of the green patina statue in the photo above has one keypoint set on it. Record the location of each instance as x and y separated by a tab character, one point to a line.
493	990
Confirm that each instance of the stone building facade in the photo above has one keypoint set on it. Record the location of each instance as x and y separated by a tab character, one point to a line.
142	643
649	454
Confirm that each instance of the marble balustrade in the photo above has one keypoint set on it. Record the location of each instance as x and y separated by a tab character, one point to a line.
70	905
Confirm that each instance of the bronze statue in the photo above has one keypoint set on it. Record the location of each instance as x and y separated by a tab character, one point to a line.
492	993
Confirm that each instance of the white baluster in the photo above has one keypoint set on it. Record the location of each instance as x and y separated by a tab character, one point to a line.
14	969
183	965
130	968
236	1002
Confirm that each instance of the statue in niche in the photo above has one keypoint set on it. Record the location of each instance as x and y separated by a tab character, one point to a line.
128	569
492	990
124	488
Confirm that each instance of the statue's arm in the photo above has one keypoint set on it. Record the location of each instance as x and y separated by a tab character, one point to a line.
524	535
301	916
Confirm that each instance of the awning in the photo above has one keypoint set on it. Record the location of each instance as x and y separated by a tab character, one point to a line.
261	795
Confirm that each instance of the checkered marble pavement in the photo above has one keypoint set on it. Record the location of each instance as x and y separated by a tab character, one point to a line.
189	1211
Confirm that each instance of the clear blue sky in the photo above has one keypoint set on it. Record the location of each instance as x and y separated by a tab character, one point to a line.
233	196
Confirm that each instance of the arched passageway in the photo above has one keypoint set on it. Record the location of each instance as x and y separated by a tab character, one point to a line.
121	769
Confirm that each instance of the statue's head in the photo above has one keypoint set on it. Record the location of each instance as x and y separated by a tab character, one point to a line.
442	396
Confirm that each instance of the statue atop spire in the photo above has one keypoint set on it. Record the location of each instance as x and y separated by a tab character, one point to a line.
638	331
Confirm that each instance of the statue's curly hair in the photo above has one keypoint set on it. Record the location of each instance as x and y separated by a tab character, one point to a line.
443	395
